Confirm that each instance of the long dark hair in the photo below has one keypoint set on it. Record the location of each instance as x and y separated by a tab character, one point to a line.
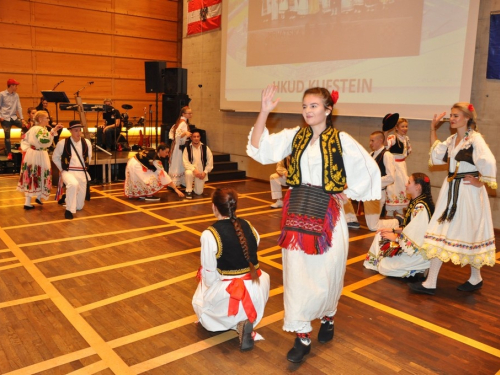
425	183
226	201
326	97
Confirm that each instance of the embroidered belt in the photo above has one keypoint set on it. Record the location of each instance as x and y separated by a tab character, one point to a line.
37	149
454	180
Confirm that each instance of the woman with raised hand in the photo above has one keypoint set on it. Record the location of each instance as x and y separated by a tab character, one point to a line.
461	229
326	166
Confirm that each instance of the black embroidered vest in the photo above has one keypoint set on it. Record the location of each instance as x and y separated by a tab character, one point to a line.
422	198
189	151
67	151
462	155
230	258
380	162
145	156
398	147
334	177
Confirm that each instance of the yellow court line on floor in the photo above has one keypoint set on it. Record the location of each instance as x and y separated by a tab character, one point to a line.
362	283
31	225
22	301
271	263
150	332
135	292
94	235
159	217
122	265
5	260
197	347
106	246
93	368
355	259
54	362
5	251
425	324
276	233
113	361
10	266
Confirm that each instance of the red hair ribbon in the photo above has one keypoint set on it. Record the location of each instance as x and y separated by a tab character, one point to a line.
470	108
335	96
426	179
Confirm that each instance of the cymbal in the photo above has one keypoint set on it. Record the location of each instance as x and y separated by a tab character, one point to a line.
127	106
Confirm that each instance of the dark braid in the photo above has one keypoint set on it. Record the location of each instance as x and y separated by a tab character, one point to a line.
226	200
423	180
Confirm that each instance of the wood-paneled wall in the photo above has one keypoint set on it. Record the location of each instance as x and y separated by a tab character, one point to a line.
106	41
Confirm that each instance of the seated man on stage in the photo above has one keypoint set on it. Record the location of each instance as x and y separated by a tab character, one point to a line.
109	130
145	176
198	163
73	170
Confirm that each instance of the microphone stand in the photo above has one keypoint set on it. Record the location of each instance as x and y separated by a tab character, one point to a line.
150	139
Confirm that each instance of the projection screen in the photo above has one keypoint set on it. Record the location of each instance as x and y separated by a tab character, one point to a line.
414	57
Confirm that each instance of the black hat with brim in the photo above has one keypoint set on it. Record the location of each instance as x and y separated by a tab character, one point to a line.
389	122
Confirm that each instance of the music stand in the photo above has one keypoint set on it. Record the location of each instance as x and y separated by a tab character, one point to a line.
55	97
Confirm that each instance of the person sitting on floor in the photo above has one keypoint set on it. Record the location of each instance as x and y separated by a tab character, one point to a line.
397	249
145	176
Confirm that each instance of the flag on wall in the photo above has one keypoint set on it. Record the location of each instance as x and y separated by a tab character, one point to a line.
493	66
203	15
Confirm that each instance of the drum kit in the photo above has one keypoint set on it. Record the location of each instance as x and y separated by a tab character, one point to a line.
125	118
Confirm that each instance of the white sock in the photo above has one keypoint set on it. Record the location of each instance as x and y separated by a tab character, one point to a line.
475	276
28	201
431	281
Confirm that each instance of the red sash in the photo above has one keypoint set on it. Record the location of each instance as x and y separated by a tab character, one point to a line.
238	292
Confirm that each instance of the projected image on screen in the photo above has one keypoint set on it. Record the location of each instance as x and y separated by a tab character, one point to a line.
377	29
414	57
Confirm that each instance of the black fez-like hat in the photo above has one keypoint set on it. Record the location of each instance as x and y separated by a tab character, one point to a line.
75	124
389	122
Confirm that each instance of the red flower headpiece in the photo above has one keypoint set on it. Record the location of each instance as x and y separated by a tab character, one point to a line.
335	96
426	179
470	108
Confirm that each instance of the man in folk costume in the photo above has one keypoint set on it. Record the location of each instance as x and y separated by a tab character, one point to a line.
385	162
198	163
277	180
71	156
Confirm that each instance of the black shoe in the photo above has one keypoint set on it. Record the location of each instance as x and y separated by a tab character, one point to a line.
29	207
465	287
245	330
39	201
419	288
68	215
325	332
189	195
62	200
299	350
415	278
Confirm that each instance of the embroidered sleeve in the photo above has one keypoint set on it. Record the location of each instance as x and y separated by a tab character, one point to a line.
209	249
272	147
391	139
484	161
437	152
412	236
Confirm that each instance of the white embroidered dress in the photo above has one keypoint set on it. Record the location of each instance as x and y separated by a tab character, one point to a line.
176	170
141	181
409	262
468	238
313	283
396	198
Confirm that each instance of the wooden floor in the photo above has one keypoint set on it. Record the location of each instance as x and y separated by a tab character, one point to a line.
110	293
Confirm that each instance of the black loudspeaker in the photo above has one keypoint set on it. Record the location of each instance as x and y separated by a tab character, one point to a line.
175	81
171	107
155	71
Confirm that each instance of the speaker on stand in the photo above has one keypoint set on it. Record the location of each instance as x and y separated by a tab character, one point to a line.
155	82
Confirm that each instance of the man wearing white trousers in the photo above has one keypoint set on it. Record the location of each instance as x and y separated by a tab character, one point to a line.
73	167
198	163
278	180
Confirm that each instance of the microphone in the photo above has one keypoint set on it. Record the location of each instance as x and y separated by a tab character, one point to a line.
91	82
61	82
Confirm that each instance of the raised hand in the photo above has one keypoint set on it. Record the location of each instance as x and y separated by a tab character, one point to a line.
267	102
436	120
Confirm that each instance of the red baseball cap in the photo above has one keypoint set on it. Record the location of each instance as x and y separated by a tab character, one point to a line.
12	81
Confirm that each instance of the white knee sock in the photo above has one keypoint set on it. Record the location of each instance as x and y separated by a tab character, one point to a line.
28	201
475	276
431	280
